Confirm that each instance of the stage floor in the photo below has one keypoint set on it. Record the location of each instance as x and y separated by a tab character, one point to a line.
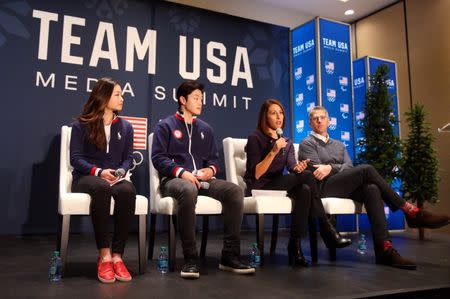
24	262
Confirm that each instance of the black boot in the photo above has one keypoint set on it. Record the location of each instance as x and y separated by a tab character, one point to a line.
330	236
295	253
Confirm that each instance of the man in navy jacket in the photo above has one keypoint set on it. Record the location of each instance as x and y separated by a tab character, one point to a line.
184	153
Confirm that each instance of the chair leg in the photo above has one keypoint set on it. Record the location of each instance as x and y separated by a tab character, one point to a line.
313	240
65	227
260	235
151	239
273	242
204	235
142	243
332	251
172	243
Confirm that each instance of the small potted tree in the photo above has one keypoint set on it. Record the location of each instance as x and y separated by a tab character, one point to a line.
420	165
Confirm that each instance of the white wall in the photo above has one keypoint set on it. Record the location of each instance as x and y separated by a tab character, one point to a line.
252	10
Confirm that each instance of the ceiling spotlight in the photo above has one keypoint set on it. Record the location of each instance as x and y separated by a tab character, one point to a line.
343	0
349	12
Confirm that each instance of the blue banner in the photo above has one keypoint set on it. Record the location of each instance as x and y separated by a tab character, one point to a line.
304	77
335	71
359	91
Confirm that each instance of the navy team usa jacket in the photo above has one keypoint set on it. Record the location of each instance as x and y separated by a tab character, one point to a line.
178	147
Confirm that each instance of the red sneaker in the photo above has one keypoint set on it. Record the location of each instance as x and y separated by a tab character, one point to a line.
105	271
121	271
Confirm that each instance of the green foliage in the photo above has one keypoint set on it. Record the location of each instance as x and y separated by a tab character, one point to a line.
380	146
420	167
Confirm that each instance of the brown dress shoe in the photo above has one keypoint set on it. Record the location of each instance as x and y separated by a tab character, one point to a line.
427	219
391	257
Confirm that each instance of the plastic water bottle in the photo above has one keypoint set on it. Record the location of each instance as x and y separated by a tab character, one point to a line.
55	267
163	260
362	245
255	256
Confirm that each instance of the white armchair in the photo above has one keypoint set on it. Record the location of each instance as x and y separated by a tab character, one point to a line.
71	204
259	204
167	205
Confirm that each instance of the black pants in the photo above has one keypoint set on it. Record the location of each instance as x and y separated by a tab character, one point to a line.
364	184
185	193
306	203
124	195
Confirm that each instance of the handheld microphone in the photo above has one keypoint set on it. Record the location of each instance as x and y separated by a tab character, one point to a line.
203	184
119	173
280	135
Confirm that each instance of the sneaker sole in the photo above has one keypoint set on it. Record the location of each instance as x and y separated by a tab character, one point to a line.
237	271
106	280
190	275
123	279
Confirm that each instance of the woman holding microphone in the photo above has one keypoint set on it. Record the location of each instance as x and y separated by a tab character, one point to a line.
269	154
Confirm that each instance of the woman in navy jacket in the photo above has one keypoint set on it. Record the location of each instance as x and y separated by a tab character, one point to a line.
101	152
269	155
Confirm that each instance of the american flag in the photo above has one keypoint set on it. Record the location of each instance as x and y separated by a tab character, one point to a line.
343	81
329	67
333	121
298	73
360	115
344	108
310	80
331	93
299	99
345	135
140	131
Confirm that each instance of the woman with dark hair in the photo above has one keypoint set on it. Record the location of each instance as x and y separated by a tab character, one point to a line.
101	152
268	155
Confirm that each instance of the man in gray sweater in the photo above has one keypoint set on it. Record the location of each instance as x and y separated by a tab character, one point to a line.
338	178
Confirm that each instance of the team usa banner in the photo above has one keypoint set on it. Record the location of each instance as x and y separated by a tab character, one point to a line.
52	53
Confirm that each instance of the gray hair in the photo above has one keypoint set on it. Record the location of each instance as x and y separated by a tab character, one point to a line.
317	108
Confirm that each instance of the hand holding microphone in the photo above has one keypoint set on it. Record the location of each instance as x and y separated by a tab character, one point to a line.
119	173
197	174
279	132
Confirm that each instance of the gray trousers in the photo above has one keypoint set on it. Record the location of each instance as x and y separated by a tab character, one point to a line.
364	184
185	193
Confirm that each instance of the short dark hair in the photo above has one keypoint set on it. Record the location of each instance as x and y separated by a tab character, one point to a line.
186	88
262	118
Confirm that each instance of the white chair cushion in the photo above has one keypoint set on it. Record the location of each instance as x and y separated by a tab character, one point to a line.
205	205
79	204
267	205
336	205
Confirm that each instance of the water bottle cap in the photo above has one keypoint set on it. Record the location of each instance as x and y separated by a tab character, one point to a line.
56	253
